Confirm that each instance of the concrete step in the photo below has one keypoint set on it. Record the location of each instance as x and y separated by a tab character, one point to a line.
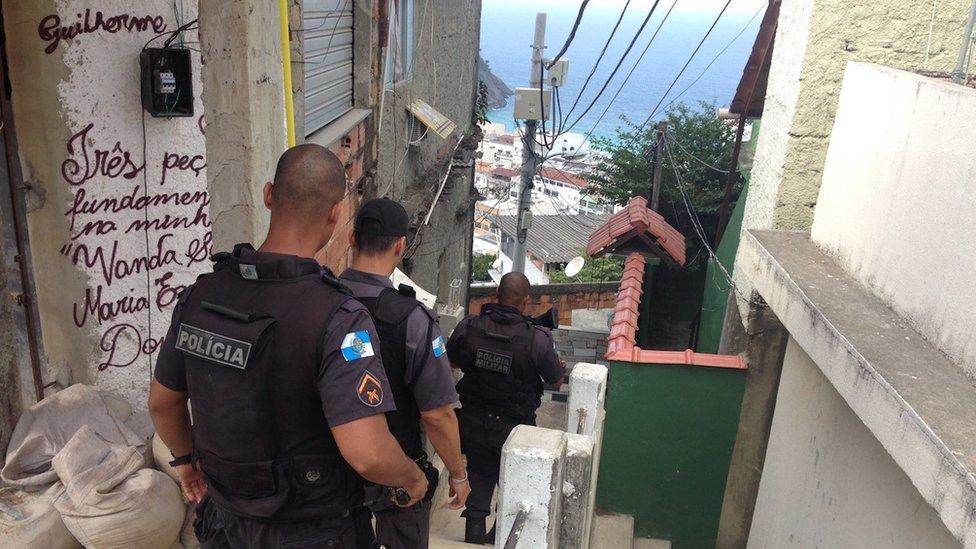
612	532
648	543
441	542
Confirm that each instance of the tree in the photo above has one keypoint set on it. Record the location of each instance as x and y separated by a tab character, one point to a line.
695	137
480	266
606	268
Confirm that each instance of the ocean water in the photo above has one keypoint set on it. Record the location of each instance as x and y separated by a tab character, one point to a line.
507	29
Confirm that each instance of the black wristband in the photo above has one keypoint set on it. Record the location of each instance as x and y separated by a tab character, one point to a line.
182	460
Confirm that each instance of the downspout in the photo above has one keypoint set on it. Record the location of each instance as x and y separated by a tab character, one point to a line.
960	73
286	70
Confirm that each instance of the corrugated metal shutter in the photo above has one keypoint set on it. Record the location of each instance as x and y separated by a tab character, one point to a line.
327	35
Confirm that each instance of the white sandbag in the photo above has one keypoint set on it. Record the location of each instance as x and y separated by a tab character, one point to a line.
162	456
44	429
30	520
110	502
188	538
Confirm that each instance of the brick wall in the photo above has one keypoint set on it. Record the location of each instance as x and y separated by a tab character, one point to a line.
565	297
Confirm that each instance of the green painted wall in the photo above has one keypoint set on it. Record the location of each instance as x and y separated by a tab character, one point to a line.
717	287
667	444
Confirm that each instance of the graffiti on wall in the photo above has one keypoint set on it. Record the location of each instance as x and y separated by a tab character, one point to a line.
52	31
135	215
100	228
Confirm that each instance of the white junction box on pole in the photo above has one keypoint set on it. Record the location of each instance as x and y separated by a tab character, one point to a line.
557	73
528	105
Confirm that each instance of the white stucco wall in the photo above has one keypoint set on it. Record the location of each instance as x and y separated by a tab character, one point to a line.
904	145
815	39
827	481
107	272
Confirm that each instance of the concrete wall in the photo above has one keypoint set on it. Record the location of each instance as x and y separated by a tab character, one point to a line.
106	283
815	40
904	144
827	481
446	34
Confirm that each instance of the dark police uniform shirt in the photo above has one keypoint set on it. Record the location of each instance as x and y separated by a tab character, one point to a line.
544	355
427	365
339	373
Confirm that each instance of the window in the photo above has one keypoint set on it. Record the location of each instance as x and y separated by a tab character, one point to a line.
327	64
399	57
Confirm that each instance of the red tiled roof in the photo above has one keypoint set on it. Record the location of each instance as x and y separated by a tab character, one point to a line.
563	176
636	228
621	344
504	173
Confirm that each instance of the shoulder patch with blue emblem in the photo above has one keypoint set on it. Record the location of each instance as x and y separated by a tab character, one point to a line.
438	346
357	345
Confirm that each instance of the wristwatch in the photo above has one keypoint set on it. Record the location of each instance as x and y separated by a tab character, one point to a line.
182	460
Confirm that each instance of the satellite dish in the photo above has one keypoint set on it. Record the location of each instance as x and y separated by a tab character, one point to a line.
574	267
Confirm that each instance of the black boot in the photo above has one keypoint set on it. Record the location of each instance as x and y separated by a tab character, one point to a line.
474	530
490	536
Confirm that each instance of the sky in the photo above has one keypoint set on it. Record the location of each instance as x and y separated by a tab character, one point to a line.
737	6
711	76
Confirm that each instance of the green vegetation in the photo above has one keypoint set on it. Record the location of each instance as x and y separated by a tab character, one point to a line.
480	113
690	133
480	266
607	268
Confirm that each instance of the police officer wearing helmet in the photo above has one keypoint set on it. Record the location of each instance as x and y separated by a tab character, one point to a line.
283	370
416	364
505	360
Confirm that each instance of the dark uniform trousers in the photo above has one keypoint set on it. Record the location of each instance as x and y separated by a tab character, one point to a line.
482	436
217	528
404	528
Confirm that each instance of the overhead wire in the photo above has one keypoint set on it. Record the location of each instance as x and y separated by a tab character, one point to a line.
616	68
572	34
598	59
631	73
691	155
714	59
699	228
685	67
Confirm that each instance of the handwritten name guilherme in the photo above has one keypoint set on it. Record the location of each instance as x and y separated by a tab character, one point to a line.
51	30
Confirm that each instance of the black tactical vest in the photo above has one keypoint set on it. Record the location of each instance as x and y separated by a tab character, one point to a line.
390	310
251	333
500	375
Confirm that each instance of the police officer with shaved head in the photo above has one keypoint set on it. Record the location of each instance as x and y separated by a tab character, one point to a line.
506	360
282	368
416	364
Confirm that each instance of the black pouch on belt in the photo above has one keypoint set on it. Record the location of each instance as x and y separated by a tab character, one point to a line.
432	474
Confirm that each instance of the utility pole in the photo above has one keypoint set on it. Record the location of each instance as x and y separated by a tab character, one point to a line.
967	42
730	178
653	201
655	196
530	160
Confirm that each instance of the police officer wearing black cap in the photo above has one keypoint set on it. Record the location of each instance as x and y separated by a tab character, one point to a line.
283	370
415	358
505	359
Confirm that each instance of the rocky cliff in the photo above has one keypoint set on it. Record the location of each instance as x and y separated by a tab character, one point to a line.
498	91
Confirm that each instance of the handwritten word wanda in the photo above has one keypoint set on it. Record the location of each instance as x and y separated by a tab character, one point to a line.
52	31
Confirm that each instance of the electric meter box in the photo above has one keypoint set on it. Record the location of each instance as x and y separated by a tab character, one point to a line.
528	105
557	73
166	82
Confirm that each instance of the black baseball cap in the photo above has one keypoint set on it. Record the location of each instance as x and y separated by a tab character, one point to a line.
382	217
